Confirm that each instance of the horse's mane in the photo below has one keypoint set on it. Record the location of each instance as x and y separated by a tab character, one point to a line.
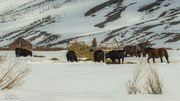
148	48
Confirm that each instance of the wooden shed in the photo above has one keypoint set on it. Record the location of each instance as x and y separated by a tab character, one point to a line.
21	43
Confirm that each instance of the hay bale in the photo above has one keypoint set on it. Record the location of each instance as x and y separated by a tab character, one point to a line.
81	49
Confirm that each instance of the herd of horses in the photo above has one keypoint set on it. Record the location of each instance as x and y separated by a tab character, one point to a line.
137	50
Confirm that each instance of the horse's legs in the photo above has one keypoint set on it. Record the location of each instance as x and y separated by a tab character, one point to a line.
167	59
148	59
161	59
136	54
119	61
144	54
102	60
113	61
123	60
17	55
139	53
153	60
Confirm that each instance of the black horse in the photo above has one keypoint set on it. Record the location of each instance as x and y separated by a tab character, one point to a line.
22	52
157	53
116	54
138	49
71	56
98	56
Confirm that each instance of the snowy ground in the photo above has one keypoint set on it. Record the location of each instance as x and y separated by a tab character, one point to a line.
88	81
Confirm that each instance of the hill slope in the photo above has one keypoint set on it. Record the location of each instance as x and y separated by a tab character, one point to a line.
55	22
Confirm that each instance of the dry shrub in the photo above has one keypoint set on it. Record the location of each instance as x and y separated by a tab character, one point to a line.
82	50
145	75
55	59
2	59
108	61
153	84
12	74
130	62
39	56
133	86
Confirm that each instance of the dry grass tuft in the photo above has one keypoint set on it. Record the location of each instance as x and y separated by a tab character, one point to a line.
145	75
12	74
153	85
133	86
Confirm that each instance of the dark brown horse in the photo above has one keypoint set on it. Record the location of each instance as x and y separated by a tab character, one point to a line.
137	50
132	50
156	53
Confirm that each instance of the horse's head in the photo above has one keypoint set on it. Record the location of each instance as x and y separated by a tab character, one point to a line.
146	50
148	43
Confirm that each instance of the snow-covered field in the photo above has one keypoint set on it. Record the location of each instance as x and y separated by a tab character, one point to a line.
54	22
88	81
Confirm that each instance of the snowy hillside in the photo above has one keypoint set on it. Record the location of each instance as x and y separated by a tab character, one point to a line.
55	22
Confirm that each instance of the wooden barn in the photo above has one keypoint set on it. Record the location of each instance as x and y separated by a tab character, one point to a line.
20	43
